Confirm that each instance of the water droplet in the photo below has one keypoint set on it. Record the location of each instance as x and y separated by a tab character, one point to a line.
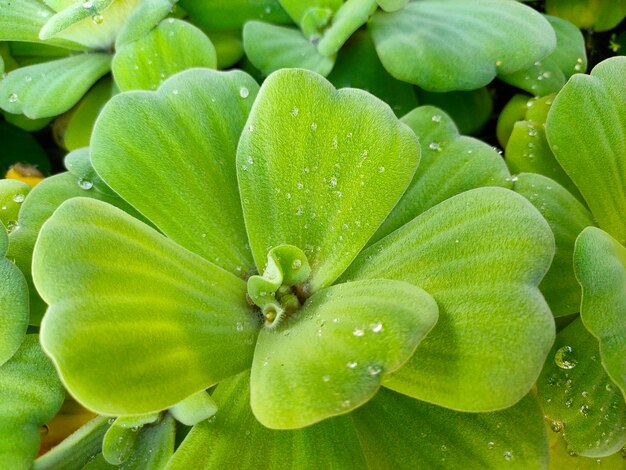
345	403
111	420
532	132
508	455
351	364
296	264
358	332
239	326
584	410
491	445
19	198
203	235
313	126
294	112
435	146
88	4
84	183
443	448
97	19
374	369
556	426
244	92
436	118
326	378
175	92
381	169
568	403
376	327
564	358
498	63
332	182
13	98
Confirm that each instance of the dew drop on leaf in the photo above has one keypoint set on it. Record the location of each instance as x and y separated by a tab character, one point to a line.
564	358
19	198
508	455
84	183
244	92
351	364
88	4
13	98
358	332
491	445
556	426
97	19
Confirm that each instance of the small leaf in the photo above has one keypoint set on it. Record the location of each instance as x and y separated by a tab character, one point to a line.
152	324
50	88
399	432
332	355
189	148
71	15
12	195
328	207
76	450
234	14
297	9
78	163
600	265
350	16
567	218
146	16
450	165
481	255
210	444
270	48
586	129
444	45
392	5
31	395
194	408
579	399
119	443
173	46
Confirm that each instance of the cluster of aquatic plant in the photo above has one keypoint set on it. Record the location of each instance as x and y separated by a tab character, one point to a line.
282	234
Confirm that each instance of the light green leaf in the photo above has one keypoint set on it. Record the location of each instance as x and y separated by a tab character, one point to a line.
38	206
600	265
146	16
297	9
270	48
470	109
399	432
174	45
12	195
233	14
513	111
567	218
119	443
481	255
349	17
13	303
550	73
71	15
152	324
601	15
320	169
50	88
586	128
180	170
450	165
31	395
194	408
228	47
78	163
75	451
331	356
392	5
210	444
358	66
579	399
445	45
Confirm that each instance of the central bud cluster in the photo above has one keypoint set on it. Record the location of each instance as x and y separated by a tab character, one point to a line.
278	292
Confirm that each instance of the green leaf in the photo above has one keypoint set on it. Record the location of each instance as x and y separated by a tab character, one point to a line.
81	121
75	451
146	16
328	207
228	47
600	265
445	45
13	303
392	5
398	432
180	171
297	9
233	14
50	88
331	356
358	66
270	48
31	395
349	17
450	165
38	206
12	195
210	444
513	111
601	15
470	109
20	146
174	45
194	408
71	15
578	397
78	163
481	255
549	74
567	218
586	129
150	325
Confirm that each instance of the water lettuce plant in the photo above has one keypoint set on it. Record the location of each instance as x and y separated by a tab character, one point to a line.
283	286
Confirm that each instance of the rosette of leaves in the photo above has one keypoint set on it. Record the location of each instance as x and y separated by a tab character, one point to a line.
582	388
438	45
90	39
254	276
